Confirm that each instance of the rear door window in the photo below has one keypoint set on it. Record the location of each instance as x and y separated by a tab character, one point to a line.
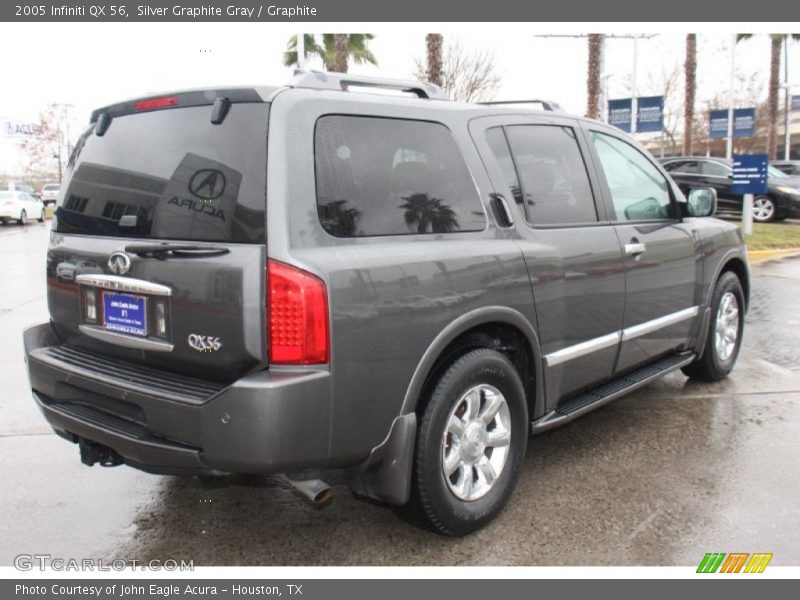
174	174
383	176
547	173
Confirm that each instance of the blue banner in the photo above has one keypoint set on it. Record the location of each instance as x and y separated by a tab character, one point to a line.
744	123
619	114
718	124
650	114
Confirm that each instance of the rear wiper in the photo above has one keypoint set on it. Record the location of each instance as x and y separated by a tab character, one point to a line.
163	251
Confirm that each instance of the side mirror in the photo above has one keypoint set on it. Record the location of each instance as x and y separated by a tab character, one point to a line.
702	202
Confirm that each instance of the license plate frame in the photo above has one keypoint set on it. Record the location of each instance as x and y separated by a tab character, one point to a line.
127	312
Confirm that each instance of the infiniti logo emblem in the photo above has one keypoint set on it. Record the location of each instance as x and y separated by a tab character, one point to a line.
119	263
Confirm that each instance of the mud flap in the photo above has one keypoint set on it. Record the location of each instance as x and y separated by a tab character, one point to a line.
387	473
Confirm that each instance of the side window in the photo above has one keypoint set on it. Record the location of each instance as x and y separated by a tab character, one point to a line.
497	141
553	179
714	169
682	166
381	176
638	190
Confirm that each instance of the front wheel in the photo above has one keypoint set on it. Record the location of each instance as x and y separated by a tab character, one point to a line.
764	209
23	218
470	445
724	338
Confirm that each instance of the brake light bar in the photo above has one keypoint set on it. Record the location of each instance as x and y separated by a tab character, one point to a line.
155	103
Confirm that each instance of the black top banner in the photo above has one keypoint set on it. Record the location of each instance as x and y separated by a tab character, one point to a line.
406	11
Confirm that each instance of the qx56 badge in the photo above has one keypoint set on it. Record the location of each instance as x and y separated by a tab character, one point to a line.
204	343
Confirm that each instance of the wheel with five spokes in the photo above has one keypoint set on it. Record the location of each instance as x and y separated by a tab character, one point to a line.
471	441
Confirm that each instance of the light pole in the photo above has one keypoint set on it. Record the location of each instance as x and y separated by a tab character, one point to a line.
729	146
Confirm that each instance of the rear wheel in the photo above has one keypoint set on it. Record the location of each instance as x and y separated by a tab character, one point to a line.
470	445
23	218
724	338
764	209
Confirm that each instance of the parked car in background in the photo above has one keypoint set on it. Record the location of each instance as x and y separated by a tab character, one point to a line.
425	284
15	186
782	199
790	167
20	207
49	193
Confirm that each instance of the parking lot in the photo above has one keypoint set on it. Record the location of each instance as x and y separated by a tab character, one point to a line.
661	477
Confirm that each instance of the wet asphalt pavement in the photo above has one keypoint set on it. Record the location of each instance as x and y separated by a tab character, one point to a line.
658	478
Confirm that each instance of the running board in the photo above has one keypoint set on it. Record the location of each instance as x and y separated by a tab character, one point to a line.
588	401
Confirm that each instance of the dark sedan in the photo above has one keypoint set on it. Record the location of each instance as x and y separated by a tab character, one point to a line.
782	199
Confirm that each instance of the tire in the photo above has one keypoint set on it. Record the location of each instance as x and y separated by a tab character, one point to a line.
719	352
472	381
764	209
41	217
23	218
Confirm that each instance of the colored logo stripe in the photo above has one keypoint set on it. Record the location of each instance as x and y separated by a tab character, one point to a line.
717	561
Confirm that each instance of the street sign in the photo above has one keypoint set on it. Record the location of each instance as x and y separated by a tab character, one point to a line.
650	114
744	123
619	114
749	174
15	129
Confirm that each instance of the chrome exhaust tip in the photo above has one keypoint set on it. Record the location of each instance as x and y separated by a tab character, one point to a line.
316	490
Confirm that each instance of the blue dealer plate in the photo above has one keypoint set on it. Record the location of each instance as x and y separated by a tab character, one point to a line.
125	313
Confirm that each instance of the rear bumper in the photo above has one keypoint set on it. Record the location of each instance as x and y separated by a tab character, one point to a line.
269	422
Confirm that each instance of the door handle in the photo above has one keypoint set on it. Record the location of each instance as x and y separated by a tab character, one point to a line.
635	248
501	210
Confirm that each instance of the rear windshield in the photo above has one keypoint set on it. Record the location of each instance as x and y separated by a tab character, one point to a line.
171	174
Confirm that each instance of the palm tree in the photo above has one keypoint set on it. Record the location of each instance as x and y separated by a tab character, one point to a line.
428	214
690	73
353	46
777	39
433	42
593	76
338	219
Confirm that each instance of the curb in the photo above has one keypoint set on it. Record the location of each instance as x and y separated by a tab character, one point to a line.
759	256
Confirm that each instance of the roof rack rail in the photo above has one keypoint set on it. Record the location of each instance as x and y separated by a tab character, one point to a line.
323	80
547	105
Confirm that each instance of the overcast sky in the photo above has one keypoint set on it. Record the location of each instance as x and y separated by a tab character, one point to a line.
89	65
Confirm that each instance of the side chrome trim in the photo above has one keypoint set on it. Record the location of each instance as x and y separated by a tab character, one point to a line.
629	333
124	284
578	350
125	340
650	326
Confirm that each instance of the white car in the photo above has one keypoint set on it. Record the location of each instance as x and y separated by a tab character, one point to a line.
20	207
50	193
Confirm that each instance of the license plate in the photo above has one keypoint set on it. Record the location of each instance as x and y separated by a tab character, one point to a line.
125	313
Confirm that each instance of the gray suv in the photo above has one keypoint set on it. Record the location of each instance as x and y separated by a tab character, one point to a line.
388	289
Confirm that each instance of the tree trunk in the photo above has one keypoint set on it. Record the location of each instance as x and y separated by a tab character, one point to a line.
433	42
340	55
774	86
690	72
593	76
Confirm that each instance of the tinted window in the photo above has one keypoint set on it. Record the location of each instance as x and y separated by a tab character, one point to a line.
682	166
380	176
714	169
180	175
638	190
499	145
555	185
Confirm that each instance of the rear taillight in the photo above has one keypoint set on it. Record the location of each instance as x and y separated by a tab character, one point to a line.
297	316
